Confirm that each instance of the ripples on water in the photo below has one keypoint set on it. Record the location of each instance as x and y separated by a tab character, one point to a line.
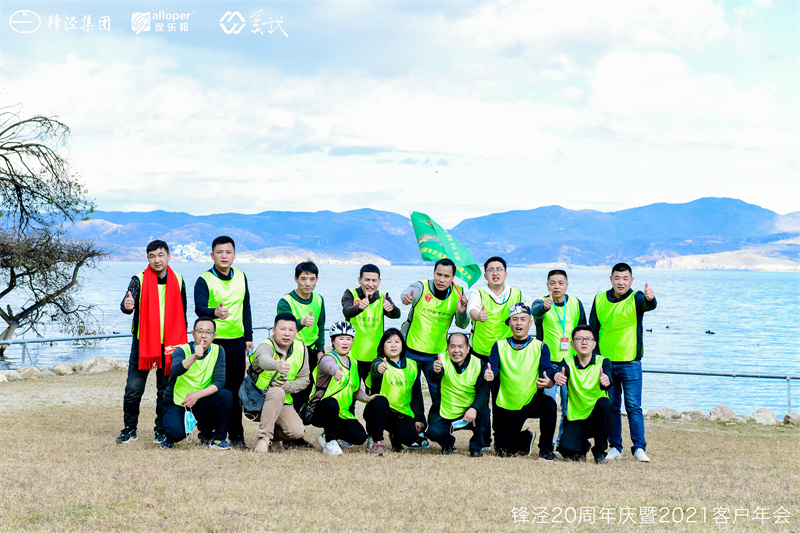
755	317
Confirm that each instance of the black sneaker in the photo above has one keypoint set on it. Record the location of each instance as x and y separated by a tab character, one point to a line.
289	445
476	453
547	456
167	445
127	435
527	445
420	444
203	439
159	437
238	444
303	444
600	459
450	450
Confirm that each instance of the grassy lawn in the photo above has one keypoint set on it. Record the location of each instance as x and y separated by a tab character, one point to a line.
60	470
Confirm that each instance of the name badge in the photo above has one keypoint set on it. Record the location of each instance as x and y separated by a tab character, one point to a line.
564	344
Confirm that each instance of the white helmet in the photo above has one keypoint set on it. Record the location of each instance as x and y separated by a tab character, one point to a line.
342	328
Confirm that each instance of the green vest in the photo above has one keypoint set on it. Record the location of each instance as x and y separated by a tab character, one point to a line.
519	370
198	376
162	297
397	385
616	339
553	330
583	388
294	356
230	293
307	336
369	328
458	389
427	332
485	334
342	390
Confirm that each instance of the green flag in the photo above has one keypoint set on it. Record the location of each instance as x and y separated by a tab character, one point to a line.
436	243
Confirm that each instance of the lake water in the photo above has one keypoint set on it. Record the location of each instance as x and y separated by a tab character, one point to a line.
755	317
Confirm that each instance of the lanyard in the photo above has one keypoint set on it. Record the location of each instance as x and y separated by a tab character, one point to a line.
562	319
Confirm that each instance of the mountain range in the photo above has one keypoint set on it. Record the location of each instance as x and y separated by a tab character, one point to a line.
642	236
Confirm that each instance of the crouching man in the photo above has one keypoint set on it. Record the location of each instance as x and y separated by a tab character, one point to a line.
281	366
464	397
589	409
196	384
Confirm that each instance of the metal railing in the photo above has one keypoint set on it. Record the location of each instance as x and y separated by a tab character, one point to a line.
787	377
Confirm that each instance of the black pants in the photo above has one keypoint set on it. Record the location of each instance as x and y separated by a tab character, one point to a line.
439	429
326	416
134	389
211	412
302	396
487	435
235	364
508	425
380	418
575	439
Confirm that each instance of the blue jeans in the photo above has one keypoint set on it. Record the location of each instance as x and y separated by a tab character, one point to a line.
552	393
627	379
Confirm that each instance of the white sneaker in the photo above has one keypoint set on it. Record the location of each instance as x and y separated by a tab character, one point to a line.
370	443
640	456
332	448
613	454
321	440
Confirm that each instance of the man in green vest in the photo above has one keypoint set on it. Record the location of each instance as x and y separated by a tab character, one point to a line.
308	308
589	411
196	384
365	308
157	299
520	368
433	303
464	397
555	316
488	308
280	365
616	320
221	293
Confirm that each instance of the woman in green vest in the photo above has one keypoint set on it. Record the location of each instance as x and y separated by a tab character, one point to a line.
336	387
589	410
398	406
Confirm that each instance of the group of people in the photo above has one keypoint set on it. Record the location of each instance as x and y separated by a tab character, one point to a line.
521	355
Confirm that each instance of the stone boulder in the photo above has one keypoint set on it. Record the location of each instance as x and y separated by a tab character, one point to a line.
694	415
669	414
721	412
3	379
651	413
765	417
29	372
99	368
792	419
84	366
10	375
62	369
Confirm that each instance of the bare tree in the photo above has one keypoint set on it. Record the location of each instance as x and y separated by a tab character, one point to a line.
39	197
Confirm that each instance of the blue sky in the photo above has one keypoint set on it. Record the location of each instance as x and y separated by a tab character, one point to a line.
456	109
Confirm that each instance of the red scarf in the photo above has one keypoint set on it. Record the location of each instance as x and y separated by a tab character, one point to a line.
150	321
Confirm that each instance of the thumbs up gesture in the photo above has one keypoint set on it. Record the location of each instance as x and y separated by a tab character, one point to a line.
363	303
308	322
283	366
408	298
387	306
437	365
548	302
128	303
383	366
462	304
648	292
483	316
544	382
221	311
488	375
604	380
199	348
339	374
561	377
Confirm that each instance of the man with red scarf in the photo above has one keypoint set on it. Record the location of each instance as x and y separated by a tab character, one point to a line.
157	299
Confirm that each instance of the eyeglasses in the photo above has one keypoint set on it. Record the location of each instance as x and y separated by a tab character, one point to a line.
204	332
581	340
497	270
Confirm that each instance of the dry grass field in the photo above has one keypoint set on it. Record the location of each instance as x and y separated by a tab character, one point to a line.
60	470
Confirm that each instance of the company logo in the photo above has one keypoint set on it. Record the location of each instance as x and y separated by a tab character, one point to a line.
141	22
229	23
428	297
25	21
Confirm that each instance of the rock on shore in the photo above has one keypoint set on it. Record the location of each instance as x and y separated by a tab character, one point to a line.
723	413
90	366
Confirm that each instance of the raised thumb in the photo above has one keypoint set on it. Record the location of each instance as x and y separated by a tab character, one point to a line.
129	295
645	286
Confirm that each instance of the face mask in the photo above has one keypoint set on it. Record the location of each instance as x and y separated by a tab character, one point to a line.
189	422
460	424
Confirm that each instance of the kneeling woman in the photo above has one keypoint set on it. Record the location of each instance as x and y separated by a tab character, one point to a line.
399	408
337	386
